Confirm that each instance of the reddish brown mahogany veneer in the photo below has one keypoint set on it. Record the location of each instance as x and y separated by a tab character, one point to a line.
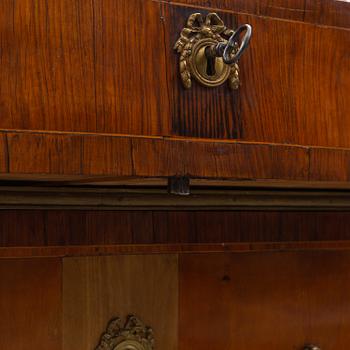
90	84
91	99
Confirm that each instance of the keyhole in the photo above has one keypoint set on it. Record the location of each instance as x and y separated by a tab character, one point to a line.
211	70
211	66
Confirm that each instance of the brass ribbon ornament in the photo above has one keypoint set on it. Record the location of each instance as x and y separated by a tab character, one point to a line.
131	335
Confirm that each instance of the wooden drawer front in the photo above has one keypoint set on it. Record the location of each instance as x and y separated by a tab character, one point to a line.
295	79
110	67
264	301
257	301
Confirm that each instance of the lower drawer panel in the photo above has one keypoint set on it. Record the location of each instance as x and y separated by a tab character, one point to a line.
257	300
265	301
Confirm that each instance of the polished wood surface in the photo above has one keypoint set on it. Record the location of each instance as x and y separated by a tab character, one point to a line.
90	92
87	154
82	66
257	300
30	304
177	248
59	228
199	111
294	83
97	289
92	78
295	79
264	301
326	12
65	156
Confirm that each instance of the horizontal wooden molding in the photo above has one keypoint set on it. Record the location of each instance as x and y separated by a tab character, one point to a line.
74	251
152	199
74	156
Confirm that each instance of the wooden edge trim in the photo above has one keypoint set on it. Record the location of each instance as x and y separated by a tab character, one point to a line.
73	251
153	199
34	155
327	13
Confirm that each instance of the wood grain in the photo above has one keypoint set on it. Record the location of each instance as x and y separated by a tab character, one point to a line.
182	248
30	304
131	85
325	12
158	157
22	228
294	91
44	154
97	289
107	155
250	6
264	301
331	13
246	161
199	111
4	166
295	83
62	156
47	65
82	66
330	164
297	10
65	228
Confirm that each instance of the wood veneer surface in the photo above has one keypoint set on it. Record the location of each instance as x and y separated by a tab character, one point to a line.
65	155
264	300
95	66
326	12
78	67
294	84
30	304
59	228
95	290
285	299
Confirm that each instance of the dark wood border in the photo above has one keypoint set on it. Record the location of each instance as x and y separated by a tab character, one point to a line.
153	199
71	251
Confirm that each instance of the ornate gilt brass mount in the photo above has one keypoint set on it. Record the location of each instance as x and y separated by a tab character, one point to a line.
132	335
209	51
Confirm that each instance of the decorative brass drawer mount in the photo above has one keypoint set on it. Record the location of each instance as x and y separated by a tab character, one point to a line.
209	51
131	335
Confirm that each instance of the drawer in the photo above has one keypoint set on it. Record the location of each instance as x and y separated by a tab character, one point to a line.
94	85
110	67
210	301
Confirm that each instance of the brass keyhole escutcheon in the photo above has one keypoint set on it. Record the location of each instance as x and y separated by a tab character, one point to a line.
209	71
132	334
129	345
209	51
